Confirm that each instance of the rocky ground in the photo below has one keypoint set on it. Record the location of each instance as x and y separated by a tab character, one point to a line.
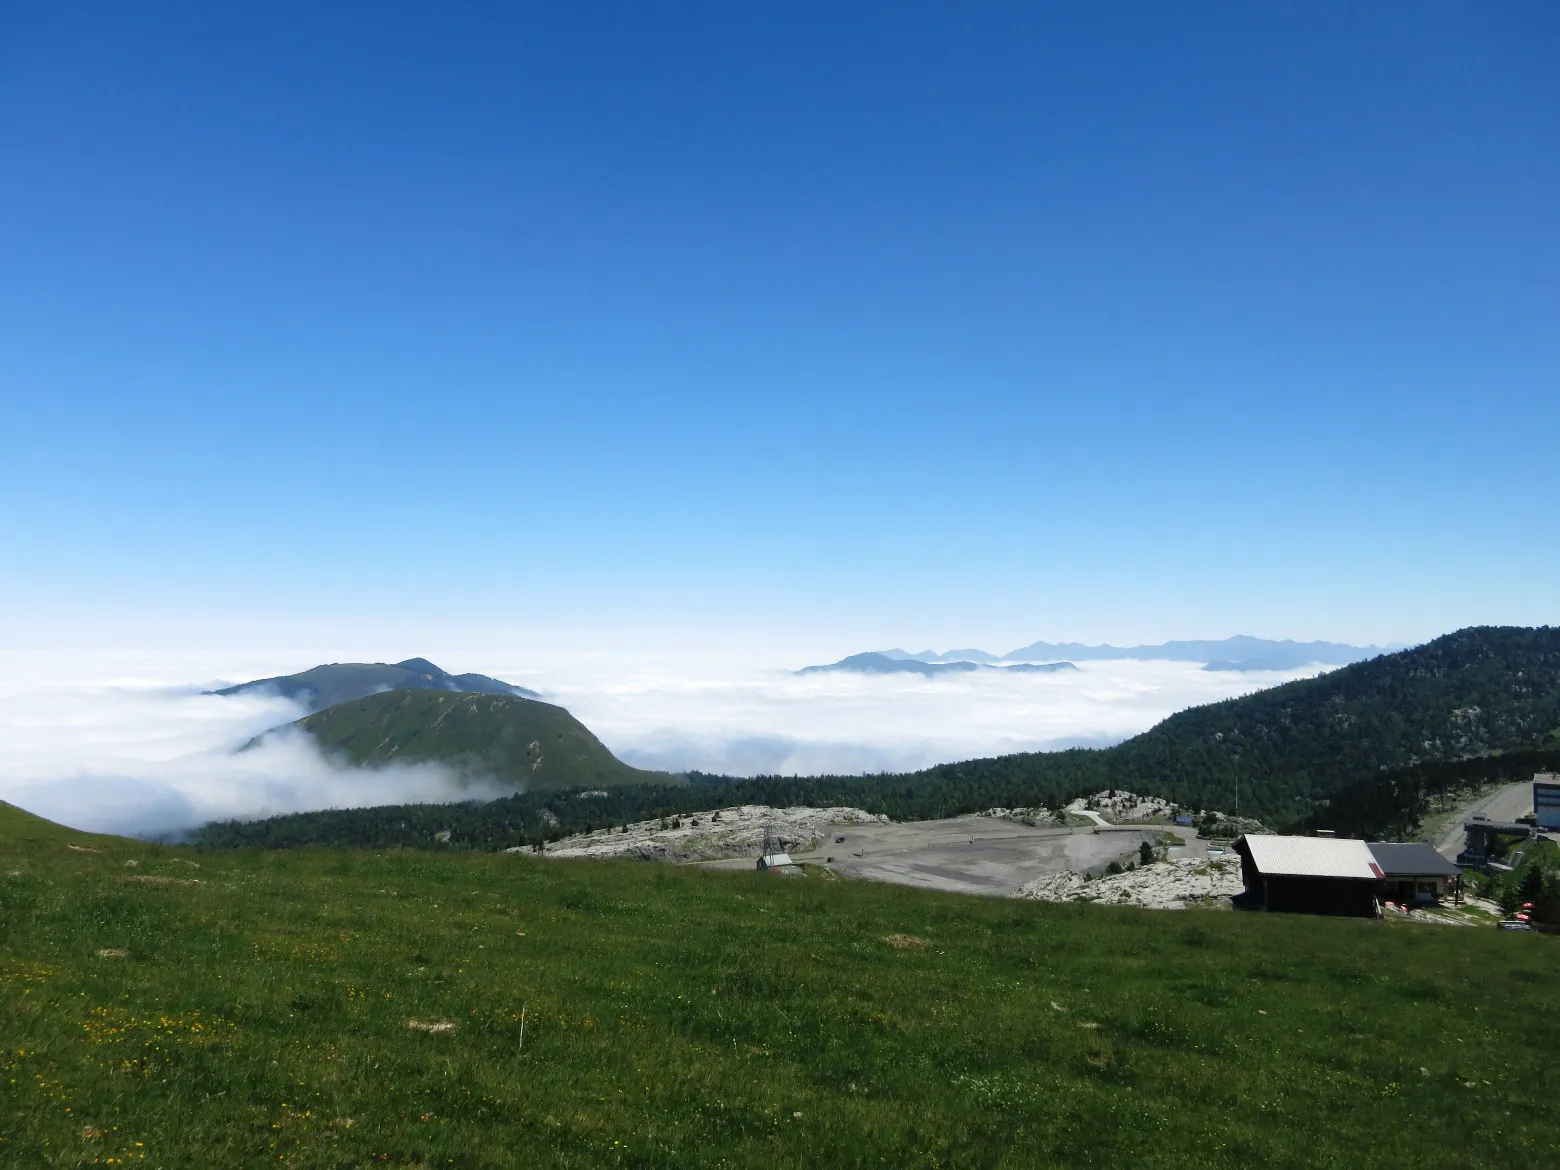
1472	912
1164	885
1036	817
1118	807
1125	808
1114	807
730	832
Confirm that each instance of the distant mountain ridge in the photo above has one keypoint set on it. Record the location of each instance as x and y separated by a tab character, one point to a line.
1242	652
339	682
872	663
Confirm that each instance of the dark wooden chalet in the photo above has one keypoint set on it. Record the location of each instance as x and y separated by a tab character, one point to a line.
1309	875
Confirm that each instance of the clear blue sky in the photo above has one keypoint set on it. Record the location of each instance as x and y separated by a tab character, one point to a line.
963	322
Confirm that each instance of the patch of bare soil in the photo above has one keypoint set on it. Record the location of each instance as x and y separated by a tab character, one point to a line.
433	1027
906	942
1472	912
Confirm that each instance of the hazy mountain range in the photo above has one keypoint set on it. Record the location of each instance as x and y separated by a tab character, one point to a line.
1241	652
873	663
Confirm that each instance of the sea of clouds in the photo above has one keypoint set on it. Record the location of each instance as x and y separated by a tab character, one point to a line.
147	753
717	717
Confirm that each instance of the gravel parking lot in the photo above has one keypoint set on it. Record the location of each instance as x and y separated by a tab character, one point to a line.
972	854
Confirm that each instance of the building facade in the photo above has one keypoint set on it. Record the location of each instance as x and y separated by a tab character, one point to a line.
1546	799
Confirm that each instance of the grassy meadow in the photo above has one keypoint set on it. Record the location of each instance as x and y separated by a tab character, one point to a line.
339	1009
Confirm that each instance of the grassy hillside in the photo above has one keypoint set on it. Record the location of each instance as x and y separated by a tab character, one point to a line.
19	827
323	1009
525	742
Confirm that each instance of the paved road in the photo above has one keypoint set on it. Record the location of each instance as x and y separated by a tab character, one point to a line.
1191	844
1504	804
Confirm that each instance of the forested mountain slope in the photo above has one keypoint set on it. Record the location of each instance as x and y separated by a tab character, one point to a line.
1391	805
1280	751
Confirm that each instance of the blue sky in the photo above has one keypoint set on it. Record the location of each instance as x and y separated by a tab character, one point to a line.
854	324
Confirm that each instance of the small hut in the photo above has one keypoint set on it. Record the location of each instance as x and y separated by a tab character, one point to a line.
772	856
1309	875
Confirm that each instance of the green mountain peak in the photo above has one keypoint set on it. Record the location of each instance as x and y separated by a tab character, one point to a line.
514	740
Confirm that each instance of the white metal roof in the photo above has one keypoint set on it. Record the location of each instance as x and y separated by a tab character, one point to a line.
1312	857
775	860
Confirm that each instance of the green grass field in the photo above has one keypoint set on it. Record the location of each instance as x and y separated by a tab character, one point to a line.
347	1009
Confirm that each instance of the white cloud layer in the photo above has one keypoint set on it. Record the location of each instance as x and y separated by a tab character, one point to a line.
717	716
153	760
152	755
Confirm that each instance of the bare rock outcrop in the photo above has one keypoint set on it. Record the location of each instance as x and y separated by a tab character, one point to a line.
1165	885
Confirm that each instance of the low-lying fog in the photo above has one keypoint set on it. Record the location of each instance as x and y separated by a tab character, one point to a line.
147	753
752	722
